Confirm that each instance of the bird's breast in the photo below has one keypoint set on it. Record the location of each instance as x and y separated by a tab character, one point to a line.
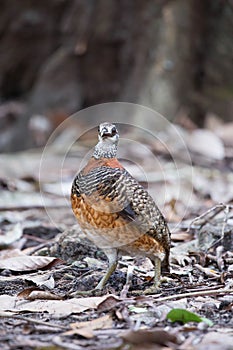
108	230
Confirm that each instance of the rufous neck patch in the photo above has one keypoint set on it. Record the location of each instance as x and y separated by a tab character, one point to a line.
95	163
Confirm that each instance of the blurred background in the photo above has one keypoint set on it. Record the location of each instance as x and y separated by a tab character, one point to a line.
60	56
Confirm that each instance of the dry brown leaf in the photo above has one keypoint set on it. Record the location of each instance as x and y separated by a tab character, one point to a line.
10	253
55	308
103	322
34	294
43	280
108	303
28	263
86	328
31	277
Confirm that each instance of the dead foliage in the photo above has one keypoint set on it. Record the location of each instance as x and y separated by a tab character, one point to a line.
44	258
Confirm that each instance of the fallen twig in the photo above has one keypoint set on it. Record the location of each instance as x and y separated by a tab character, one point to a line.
195	294
204	218
32	320
129	278
207	271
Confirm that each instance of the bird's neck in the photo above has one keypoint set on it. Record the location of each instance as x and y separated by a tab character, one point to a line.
105	150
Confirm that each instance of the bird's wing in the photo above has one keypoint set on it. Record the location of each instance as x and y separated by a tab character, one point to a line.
114	189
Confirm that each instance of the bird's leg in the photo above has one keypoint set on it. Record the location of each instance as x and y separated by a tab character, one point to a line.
112	256
157	270
157	267
155	288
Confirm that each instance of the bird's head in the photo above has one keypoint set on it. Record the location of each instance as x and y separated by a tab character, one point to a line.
108	140
108	133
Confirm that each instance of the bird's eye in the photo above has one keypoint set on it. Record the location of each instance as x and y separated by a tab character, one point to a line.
114	130
98	129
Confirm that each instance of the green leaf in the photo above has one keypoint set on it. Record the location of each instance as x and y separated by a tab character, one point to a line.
184	316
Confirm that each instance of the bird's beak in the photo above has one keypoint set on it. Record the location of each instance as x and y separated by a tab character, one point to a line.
105	133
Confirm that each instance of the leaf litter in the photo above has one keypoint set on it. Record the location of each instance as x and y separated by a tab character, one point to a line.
36	307
27	263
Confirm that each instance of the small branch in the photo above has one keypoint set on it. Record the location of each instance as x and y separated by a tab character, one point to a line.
128	283
208	272
204	289
32	320
195	294
203	217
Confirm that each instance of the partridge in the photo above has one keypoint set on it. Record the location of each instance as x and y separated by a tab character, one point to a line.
116	212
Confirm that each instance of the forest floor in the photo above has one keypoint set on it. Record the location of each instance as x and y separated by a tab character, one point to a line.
45	258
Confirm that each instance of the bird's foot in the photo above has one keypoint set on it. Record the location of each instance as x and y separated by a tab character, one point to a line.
165	279
154	289
147	291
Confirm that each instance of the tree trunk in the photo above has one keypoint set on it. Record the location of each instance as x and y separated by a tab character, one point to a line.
60	56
